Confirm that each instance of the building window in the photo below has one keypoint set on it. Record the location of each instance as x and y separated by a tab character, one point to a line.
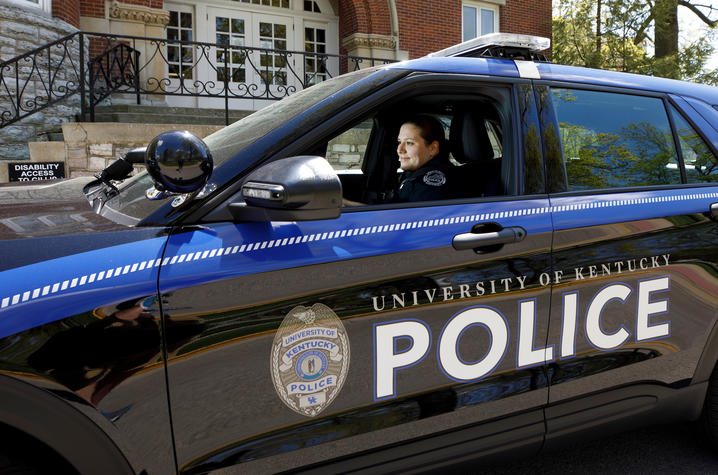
44	5
179	58
230	33
479	19
273	66
311	6
269	3
315	41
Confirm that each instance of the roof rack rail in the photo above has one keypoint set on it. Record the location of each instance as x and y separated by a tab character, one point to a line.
500	45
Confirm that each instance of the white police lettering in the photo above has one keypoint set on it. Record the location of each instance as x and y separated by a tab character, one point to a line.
385	339
449	358
507	284
568	324
646	308
527	355
310	359
594	333
388	359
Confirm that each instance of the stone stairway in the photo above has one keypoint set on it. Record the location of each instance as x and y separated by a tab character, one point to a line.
136	114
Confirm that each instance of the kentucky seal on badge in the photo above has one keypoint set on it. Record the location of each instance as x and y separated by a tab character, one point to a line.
310	358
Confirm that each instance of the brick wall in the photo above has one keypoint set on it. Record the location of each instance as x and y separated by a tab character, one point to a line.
352	18
67	10
379	16
514	18
92	8
429	25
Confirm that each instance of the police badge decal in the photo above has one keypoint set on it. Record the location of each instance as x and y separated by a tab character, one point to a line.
310	359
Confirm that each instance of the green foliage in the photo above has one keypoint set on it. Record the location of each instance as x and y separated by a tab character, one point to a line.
625	41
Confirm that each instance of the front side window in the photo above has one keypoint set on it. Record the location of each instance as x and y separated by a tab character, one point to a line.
701	165
131	204
384	159
615	140
479	19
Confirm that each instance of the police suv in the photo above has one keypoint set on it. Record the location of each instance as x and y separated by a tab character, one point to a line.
224	310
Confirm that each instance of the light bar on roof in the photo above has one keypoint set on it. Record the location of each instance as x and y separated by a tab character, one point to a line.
512	40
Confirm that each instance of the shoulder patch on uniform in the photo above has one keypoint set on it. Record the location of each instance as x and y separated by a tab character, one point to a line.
435	178
310	359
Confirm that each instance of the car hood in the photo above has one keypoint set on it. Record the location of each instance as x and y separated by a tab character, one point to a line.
53	208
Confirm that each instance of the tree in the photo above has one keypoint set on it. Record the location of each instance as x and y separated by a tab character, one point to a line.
633	35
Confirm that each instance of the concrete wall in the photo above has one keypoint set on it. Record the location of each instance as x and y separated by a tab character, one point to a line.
90	147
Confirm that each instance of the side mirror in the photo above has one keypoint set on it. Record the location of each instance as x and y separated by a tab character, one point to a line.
292	189
178	162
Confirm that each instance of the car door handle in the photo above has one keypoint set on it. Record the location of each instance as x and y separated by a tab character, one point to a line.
714	210
499	237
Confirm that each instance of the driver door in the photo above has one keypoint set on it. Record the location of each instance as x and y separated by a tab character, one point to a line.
294	343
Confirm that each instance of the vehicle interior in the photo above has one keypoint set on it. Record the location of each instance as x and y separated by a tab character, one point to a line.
365	156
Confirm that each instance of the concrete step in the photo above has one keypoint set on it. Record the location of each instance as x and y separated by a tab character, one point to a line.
129	113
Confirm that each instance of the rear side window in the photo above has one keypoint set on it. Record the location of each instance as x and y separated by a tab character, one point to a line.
615	140
701	165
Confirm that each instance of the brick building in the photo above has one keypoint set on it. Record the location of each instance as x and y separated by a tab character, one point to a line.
396	29
380	29
319	31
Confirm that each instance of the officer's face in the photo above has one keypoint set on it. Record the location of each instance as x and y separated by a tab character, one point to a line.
412	149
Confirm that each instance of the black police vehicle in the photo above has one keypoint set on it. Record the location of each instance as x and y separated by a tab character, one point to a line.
225	311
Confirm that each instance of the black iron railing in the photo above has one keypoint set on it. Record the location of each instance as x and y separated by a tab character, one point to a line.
97	65
116	69
40	78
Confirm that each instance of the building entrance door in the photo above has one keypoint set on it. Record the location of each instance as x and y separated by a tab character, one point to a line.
248	59
251	55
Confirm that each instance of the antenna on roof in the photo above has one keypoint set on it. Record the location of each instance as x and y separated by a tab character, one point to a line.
500	45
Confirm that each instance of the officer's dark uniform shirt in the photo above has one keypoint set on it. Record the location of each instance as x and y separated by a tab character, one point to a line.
428	183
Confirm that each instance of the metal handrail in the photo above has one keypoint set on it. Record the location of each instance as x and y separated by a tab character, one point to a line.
129	65
22	76
114	70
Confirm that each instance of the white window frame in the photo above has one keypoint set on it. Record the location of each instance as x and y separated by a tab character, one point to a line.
43	5
480	6
180	8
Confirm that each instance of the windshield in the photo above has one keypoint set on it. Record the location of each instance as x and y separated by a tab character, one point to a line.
225	143
131	205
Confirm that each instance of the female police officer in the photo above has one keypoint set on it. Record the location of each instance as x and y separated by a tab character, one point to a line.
423	158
